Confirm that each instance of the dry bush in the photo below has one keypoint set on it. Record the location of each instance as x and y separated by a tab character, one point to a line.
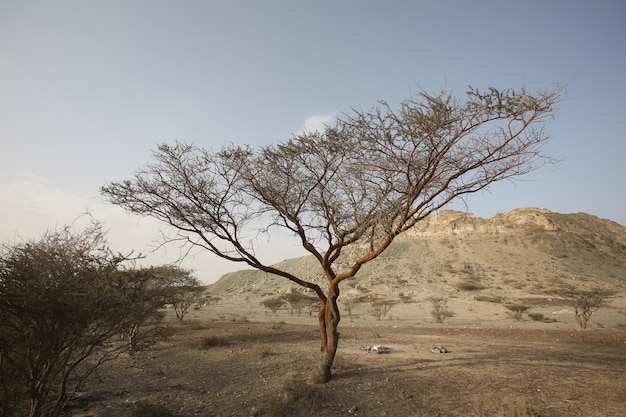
261	351
489	299
64	301
439	311
517	311
380	308
406	299
210	341
540	317
472	285
298	398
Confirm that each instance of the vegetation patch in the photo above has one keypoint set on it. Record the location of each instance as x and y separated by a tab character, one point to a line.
210	341
297	398
472	285
541	318
490	299
440	312
517	311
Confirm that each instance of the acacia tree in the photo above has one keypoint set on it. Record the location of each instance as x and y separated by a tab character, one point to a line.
380	308
440	312
296	302
347	192
181	288
273	304
586	302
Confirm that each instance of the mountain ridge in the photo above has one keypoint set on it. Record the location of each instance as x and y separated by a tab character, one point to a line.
521	253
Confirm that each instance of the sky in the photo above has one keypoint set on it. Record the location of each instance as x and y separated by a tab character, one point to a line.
89	88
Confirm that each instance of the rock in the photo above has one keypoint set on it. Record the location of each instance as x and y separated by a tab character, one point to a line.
377	348
439	349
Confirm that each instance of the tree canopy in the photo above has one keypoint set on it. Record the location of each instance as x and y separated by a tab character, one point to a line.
358	184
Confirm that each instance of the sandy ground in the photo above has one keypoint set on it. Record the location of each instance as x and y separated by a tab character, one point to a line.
258	364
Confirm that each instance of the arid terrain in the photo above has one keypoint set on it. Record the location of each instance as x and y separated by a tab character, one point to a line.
232	357
261	369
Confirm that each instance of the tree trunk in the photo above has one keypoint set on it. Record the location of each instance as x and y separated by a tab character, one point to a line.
328	318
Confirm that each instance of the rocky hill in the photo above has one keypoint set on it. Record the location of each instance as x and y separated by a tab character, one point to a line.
520	255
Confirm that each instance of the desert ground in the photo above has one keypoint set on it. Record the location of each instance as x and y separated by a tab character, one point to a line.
235	360
232	357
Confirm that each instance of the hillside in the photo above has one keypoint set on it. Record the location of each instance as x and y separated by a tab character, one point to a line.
519	255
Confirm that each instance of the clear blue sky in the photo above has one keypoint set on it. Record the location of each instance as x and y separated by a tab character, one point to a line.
87	88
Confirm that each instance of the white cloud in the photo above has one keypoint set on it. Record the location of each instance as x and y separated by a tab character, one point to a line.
317	122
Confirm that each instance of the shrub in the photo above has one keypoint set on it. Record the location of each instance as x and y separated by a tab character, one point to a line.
406	299
63	300
517	311
380	308
470	286
489	299
210	341
439	311
349	305
298	398
540	317
261	351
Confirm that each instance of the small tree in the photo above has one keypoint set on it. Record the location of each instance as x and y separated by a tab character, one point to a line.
62	299
345	193
211	299
586	302
439	311
380	308
297	302
349	304
274	304
180	288
517	311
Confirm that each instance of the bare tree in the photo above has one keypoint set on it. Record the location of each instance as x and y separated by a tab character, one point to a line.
517	311
344	193
586	302
380	308
440	312
349	304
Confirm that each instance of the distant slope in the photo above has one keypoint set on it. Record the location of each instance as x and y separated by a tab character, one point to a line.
521	253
